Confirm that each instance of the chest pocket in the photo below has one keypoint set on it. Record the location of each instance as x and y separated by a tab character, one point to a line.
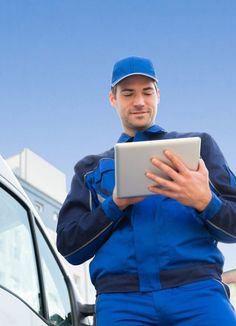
102	180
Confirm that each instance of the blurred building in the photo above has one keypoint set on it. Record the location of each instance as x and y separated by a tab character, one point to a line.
229	278
46	187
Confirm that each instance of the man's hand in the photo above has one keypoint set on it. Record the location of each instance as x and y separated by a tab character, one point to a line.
191	188
122	203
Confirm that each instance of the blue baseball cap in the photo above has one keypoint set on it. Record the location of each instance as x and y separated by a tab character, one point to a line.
132	66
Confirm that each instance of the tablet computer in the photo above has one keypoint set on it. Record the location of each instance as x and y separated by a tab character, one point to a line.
132	160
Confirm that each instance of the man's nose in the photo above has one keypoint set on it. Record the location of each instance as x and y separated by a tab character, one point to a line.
139	100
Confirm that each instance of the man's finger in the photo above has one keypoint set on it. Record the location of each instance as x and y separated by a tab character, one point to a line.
176	161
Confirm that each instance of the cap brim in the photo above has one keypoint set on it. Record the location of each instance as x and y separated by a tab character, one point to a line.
132	74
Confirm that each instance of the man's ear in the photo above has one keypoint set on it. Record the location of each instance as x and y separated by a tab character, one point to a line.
112	98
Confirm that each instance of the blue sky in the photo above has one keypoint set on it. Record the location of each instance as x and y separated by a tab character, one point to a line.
56	58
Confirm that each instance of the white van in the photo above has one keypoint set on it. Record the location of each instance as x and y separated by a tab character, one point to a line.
35	288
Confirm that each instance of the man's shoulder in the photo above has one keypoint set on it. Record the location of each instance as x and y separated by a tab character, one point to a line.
177	134
90	162
208	143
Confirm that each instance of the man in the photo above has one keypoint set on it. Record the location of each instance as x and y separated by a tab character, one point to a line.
156	260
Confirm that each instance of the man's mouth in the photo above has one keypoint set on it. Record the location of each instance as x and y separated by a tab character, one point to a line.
138	112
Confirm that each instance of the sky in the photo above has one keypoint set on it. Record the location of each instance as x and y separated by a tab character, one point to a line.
56	59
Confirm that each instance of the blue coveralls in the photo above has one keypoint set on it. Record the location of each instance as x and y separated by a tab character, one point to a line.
157	262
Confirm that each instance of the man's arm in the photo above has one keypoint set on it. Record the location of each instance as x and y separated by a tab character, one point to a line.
82	229
213	198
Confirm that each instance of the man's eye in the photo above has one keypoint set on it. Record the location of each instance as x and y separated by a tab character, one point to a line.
127	93
148	92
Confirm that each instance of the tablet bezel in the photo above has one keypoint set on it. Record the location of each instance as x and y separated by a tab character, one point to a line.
132	160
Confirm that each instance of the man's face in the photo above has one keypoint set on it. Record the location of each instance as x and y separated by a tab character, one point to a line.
136	100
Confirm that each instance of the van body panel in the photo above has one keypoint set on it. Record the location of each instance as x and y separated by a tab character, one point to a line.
13	309
14	312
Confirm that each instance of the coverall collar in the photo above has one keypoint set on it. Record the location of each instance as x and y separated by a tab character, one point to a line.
141	135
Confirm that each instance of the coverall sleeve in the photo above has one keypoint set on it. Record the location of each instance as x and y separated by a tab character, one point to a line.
82	230
220	214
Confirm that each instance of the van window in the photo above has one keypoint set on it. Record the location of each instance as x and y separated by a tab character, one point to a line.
18	271
56	291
